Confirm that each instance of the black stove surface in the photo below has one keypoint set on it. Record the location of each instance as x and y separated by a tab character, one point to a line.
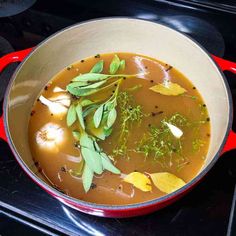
205	210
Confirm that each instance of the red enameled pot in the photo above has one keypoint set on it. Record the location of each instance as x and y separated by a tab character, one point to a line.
39	64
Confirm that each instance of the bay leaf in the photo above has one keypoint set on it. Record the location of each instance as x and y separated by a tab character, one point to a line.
71	115
87	178
169	89
80	115
139	180
115	64
98	67
111	117
167	182
97	117
108	165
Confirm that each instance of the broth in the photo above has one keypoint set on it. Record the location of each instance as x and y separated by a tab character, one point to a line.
135	145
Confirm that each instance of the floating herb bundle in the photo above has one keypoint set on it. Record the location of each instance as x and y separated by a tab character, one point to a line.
162	142
129	113
100	116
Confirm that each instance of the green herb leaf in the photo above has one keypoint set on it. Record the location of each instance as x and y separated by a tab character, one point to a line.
108	165
91	157
98	116
89	109
122	64
80	115
96	146
95	85
77	84
87	178
90	77
98	67
81	92
71	115
107	131
86	102
109	105
115	64
111	117
76	135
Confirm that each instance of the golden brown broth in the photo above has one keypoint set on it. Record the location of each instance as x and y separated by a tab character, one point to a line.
110	189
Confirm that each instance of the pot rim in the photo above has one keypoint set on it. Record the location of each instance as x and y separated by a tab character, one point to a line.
90	205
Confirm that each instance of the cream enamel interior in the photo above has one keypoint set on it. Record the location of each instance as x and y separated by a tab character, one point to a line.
115	35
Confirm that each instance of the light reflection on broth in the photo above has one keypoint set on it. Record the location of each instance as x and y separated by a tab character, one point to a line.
58	157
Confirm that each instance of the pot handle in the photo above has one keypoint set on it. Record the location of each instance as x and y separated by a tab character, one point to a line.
229	66
13	57
4	61
225	64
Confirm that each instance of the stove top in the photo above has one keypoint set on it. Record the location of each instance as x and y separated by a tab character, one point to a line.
206	209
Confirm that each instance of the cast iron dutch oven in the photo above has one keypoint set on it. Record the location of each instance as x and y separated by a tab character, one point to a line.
82	40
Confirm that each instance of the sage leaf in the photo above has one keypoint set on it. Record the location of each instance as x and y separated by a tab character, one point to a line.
96	146
89	109
122	64
91	77
98	116
82	92
109	105
80	115
98	67
77	84
107	131
91	157
108	165
87	178
76	135
115	64
86	102
95	85
111	117
98	132
71	115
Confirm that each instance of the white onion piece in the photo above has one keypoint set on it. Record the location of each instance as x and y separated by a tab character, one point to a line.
55	107
174	130
50	136
58	90
63	99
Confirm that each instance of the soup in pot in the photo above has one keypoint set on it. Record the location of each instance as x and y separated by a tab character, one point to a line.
119	128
